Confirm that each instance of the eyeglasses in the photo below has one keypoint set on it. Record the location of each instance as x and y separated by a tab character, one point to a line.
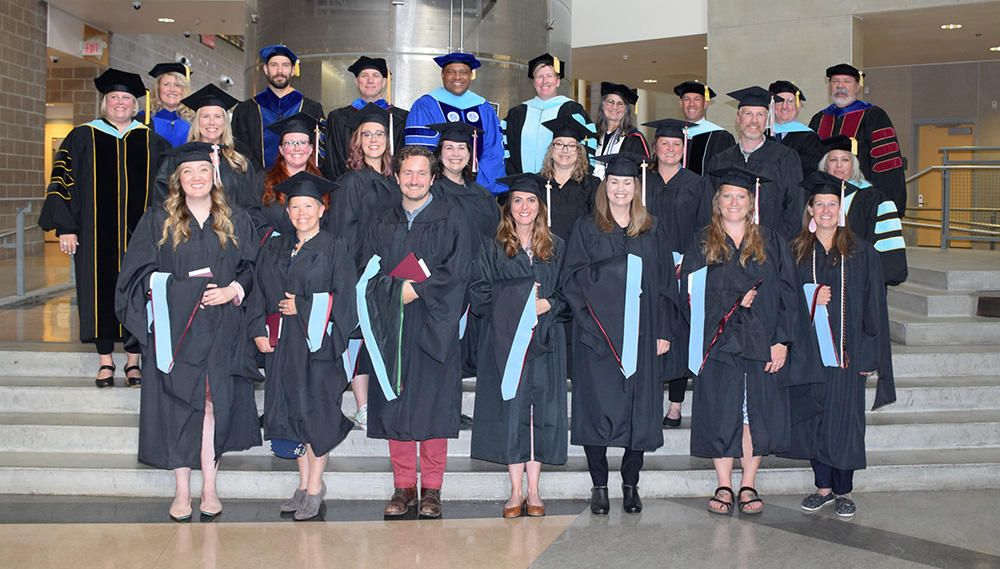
572	146
295	143
368	135
613	103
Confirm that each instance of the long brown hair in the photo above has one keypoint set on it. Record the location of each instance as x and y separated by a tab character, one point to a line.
178	222
542	246
803	245
356	155
580	170
279	173
639	219
715	248
467	174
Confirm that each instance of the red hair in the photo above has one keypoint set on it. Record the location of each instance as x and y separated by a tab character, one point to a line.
279	173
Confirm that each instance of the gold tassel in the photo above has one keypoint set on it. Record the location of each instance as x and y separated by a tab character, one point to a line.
473	74
854	146
707	95
187	73
555	66
798	102
861	79
295	73
147	106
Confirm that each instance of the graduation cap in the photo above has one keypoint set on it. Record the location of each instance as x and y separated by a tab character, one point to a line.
365	62
209	96
457	57
368	113
546	59
844	69
299	123
752	97
266	53
540	186
197	152
672	128
626	164
628	95
161	68
841	142
742	178
115	80
819	182
306	184
567	126
782	86
460	132
695	87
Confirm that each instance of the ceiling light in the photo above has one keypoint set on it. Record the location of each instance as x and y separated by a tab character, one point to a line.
996	48
649	80
165	20
705	48
951	26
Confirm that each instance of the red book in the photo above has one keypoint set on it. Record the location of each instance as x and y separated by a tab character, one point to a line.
411	268
273	325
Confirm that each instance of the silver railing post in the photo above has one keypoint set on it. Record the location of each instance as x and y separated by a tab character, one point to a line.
945	199
19	250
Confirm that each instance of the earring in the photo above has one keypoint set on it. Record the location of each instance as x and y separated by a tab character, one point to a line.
812	225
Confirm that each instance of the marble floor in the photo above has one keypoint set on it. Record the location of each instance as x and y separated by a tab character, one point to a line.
947	529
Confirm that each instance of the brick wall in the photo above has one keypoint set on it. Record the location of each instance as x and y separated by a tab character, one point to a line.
22	111
74	85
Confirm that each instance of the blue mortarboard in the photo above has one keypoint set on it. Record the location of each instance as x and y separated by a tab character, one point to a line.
266	53
457	57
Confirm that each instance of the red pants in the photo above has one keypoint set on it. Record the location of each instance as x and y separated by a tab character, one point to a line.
433	459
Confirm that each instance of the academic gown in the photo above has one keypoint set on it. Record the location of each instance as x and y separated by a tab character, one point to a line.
633	142
878	147
440	106
251	117
99	189
168	124
271	218
503	430
570	202
737	359
804	142
782	201
706	140
608	408
526	140
305	375
338	135
429	400
872	217
235	184
828	417
684	204
205	341
361	197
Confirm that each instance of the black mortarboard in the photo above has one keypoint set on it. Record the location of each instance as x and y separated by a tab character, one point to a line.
527	182
306	184
209	95
545	59
841	142
627	95
161	68
115	80
844	69
301	123
368	113
694	87
266	53
365	62
752	97
782	86
456	131
622	164
671	128
193	151
567	126
457	57
739	177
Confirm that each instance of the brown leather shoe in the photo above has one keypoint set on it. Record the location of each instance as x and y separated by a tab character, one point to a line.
430	503
515	511
535	511
402	500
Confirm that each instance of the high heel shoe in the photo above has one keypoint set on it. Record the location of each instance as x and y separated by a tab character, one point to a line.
109	381
133	381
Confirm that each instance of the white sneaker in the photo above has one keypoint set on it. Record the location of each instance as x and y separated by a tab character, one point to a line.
361	417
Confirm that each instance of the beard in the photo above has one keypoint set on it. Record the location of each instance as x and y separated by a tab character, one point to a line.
842	96
278	81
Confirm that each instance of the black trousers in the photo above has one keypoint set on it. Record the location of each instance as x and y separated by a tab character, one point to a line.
597	464
840	481
676	389
105	347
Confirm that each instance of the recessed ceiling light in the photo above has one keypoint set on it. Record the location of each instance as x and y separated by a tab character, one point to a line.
649	80
996	48
951	26
705	48
165	20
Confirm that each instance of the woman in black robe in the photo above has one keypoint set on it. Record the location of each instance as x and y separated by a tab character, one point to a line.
188	267
566	162
521	383
739	341
828	416
620	353
616	131
304	286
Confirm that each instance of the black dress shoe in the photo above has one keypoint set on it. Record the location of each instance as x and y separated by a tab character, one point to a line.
630	499
599	503
671	423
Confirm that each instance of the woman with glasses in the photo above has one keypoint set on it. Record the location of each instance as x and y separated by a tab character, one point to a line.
616	131
571	196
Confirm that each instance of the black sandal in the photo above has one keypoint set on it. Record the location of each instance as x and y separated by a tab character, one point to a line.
744	504
727	507
133	381
103	382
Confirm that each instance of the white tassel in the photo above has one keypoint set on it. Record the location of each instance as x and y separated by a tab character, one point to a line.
548	200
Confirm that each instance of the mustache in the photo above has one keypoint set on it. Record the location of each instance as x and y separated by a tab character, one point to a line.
841	91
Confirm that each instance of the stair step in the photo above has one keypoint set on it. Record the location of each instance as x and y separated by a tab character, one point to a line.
924	301
945	270
913	330
948	361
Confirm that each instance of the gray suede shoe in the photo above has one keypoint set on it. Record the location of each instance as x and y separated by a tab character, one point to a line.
296	502
310	505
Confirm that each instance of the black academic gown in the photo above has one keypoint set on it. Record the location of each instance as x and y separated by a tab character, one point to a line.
235	183
702	148
570	202
809	148
872	217
99	189
305	373
205	341
736	361
684	204
361	197
338	138
503	430
429	402
782	201
828	417
514	130
608	408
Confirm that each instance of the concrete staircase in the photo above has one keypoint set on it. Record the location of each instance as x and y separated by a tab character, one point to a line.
60	435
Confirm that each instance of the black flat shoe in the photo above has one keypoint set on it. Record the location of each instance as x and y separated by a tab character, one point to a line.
599	502
630	499
133	381
671	423
103	382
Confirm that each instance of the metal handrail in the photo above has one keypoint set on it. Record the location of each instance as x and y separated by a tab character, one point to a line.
19	242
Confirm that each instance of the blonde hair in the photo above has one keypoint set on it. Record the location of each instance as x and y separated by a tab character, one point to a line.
154	96
639	219
236	160
715	248
178	222
580	170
